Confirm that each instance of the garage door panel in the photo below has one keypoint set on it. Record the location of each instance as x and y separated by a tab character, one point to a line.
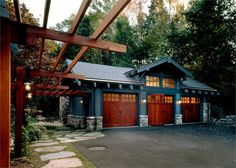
160	109
121	111
190	109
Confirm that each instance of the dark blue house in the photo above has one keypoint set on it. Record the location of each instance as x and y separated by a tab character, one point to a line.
159	93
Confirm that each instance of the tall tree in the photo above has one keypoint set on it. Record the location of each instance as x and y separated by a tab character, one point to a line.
157	28
208	46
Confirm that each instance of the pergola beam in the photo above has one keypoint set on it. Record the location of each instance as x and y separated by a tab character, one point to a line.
46	86
17	11
45	22
5	93
58	93
19	30
35	74
115	11
76	22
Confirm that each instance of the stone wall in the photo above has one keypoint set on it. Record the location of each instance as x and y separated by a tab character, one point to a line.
143	120
99	123
76	121
64	108
206	112
178	119
90	123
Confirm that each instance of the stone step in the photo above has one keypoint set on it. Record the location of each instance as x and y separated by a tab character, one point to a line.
65	163
44	144
50	149
57	155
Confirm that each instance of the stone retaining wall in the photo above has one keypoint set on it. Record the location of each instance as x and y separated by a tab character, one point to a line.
76	121
143	120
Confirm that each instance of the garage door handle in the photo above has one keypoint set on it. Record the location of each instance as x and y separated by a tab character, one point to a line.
120	112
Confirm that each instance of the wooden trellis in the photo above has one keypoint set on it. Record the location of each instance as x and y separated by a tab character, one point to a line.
17	32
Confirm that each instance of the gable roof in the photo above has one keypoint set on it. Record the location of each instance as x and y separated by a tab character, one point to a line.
160	62
103	73
190	83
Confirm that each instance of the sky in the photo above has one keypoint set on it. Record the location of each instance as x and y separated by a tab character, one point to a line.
59	9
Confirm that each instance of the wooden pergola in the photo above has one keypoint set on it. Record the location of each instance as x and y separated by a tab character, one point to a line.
20	33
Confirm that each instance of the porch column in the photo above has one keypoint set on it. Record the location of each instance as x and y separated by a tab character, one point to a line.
178	115
5	93
20	105
143	116
98	109
205	110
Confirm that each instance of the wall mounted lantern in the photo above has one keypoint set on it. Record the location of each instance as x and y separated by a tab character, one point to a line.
144	100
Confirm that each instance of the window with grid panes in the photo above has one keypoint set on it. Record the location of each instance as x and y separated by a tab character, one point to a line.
168	99
152	81
168	83
185	99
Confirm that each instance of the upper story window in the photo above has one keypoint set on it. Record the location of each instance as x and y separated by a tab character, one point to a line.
168	83
152	81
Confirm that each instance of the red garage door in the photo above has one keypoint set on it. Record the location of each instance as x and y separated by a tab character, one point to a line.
190	108
119	109
160	109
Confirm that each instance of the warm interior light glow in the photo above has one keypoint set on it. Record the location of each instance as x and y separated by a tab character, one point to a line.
29	95
27	86
178	102
144	101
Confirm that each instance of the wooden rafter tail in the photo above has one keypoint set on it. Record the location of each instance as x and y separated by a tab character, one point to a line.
17	11
45	22
115	11
80	14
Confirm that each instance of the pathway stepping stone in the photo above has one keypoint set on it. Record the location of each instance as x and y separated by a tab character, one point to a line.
50	149
57	155
64	163
42	141
63	138
44	144
73	135
84	138
68	141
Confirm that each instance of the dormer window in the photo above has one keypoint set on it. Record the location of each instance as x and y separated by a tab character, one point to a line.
168	83
152	81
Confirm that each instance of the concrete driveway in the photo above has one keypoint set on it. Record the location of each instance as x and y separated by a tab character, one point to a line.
186	146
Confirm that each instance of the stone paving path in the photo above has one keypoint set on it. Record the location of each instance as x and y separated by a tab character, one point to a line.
54	149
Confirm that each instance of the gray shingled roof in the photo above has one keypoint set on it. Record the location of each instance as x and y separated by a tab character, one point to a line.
114	74
159	62
190	83
103	73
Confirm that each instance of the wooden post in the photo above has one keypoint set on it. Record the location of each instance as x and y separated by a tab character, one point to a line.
5	92
20	105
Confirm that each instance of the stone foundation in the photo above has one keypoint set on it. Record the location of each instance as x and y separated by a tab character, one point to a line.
63	108
76	121
143	120
90	123
178	119
206	112
99	123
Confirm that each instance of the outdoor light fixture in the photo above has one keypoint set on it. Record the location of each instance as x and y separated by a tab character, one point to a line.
27	86
178	102
29	95
81	101
144	100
